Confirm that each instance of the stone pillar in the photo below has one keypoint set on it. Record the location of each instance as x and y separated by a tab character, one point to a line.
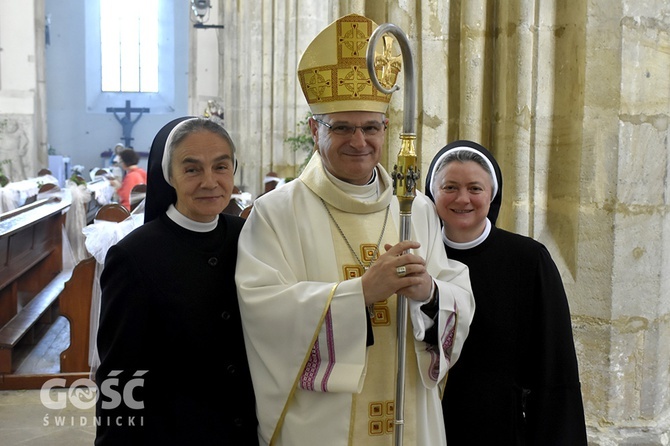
582	104
629	402
205	50
260	50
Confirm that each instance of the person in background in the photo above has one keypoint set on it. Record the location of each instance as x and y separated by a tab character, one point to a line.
134	175
170	326
115	161
319	266
517	380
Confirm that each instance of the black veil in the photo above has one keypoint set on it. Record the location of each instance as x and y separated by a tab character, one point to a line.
497	200
160	195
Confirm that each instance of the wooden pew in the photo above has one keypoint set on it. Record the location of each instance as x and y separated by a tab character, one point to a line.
233	208
137	194
75	305
75	301
93	207
31	263
246	211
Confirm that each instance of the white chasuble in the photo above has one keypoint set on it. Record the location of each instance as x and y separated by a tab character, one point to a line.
305	320
373	409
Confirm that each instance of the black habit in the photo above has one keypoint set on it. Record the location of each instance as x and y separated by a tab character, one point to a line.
519	357
170	307
516	382
170	317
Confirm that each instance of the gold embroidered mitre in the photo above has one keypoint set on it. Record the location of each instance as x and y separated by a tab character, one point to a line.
333	74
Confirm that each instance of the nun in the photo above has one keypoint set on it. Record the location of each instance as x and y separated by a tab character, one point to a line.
173	368
516	381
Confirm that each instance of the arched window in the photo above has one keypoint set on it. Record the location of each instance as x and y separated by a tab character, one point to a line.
129	45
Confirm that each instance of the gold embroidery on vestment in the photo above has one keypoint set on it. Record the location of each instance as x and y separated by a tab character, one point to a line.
381	415
353	38
381	314
319	84
369	253
352	271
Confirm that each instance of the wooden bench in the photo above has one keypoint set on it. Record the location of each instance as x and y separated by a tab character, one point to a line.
112	212
246	211
31	263
75	306
92	207
39	312
75	301
137	194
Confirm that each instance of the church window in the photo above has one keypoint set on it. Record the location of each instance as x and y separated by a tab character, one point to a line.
136	59
129	46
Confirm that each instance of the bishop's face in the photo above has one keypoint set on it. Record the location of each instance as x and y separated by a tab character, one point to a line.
463	198
202	169
352	157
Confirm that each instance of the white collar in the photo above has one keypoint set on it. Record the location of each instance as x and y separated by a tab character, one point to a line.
366	193
187	223
472	243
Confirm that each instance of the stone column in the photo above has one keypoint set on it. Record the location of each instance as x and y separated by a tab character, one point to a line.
631	70
262	44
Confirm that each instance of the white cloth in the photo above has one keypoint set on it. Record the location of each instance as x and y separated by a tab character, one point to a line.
76	220
14	194
102	190
100	236
288	282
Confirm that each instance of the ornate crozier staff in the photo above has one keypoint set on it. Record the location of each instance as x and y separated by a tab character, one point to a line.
405	175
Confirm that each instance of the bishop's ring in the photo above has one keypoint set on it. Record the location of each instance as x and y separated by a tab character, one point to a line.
401	271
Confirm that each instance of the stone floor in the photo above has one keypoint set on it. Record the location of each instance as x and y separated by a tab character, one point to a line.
26	421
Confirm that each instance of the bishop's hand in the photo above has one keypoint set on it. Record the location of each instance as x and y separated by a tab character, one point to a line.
386	276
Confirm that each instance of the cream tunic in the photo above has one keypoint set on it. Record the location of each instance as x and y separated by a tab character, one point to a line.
305	325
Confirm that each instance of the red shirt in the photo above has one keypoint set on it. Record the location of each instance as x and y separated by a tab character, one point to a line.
136	175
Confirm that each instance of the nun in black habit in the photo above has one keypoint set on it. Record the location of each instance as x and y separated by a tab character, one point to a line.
516	381
173	365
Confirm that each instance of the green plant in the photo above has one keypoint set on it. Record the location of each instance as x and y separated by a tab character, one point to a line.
3	178
76	179
302	141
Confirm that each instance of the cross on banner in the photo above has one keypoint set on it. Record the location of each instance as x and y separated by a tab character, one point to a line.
126	121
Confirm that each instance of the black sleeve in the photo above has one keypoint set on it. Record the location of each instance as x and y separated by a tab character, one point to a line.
431	309
555	407
123	338
371	335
